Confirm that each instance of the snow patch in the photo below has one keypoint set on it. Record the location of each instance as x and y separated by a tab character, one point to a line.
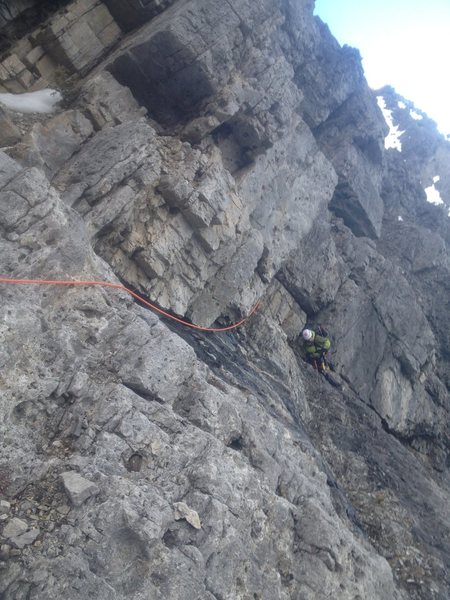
415	115
400	218
433	195
392	140
41	101
401	104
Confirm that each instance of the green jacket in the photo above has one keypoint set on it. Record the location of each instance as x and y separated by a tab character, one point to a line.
318	346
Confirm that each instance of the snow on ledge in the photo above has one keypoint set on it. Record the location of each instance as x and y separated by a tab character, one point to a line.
415	115
433	195
392	140
41	101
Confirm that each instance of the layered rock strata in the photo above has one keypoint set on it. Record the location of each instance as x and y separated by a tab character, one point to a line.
223	153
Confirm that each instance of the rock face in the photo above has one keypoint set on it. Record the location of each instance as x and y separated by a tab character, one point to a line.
12	9
54	46
223	153
80	36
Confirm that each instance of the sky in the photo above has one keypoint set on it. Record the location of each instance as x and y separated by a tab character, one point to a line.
403	43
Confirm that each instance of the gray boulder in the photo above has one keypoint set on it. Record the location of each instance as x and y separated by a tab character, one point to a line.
78	488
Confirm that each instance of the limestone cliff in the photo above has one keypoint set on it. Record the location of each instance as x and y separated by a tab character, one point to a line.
210	154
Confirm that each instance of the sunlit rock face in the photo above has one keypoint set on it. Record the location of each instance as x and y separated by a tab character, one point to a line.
219	154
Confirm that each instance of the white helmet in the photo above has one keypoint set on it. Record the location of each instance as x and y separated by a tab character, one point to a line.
308	335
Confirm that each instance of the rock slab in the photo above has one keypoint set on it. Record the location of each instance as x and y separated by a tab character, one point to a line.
78	488
14	528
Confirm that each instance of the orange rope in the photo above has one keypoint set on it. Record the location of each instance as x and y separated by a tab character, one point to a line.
119	286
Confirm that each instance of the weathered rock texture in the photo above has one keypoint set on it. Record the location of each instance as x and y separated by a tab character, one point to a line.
11	9
69	42
224	152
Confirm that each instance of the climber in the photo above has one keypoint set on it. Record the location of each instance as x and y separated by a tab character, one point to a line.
316	345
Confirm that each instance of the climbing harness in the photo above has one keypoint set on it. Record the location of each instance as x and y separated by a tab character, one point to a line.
119	286
323	366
